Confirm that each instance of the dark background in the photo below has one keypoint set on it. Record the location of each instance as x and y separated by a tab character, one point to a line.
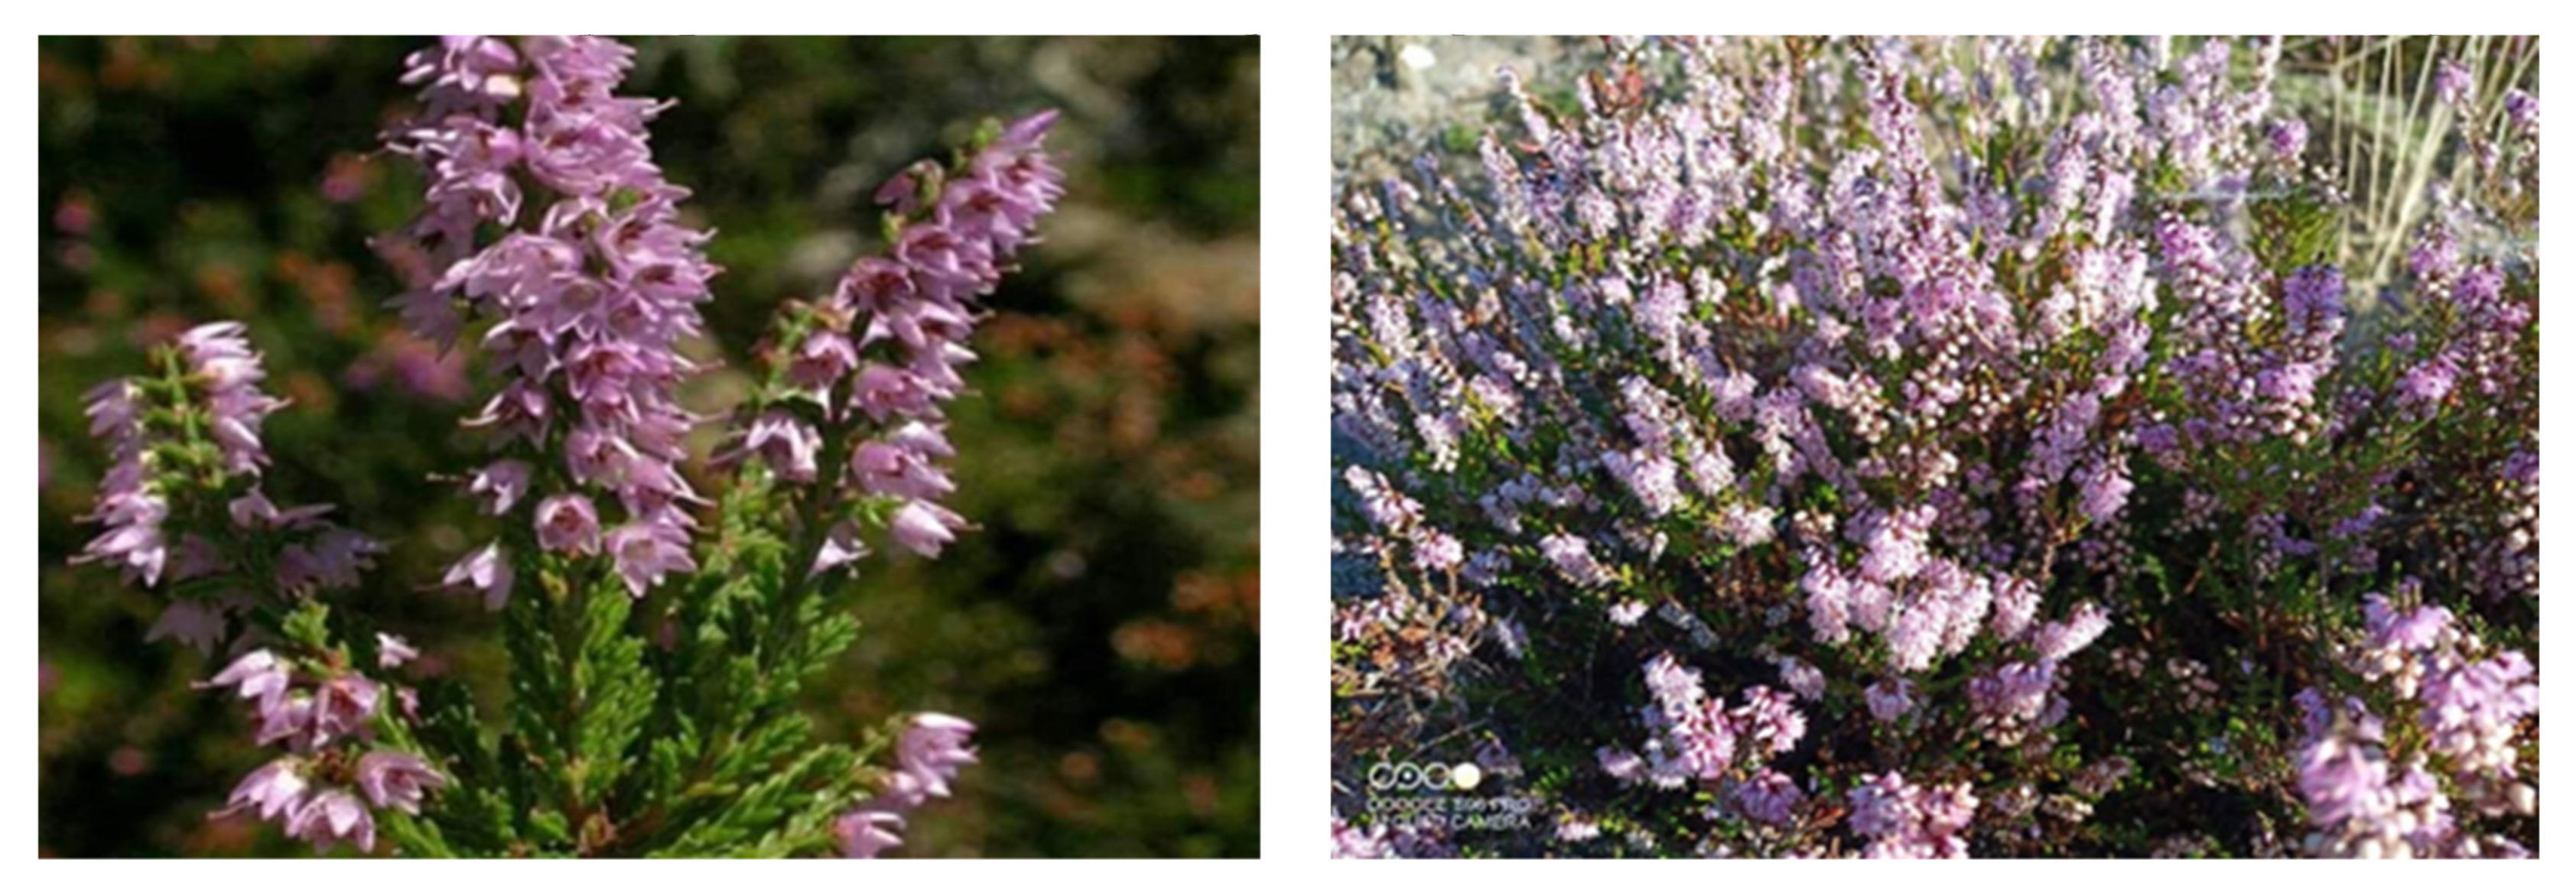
1102	627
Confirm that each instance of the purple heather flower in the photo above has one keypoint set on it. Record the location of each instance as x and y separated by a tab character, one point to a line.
568	524
1908	821
1828	600
2016	692
885	393
289	719
2523	110
928	757
1675	688
925	529
2059	640
2342	780
487	571
275	792
786	444
255	512
332	818
1683	302
464	72
1626	614
1574	830
1389	510
1890	700
1573	558
648	552
933	750
867	834
2391	629
344	707
1768	797
500	486
1621	764
1896	545
841	547
2452	83
257	676
1438	552
1748	527
393	652
895	469
396	780
2289	138
2423	387
822	361
1803	679
2016	603
2105	490
916	303
1914	637
1767	717
1352	842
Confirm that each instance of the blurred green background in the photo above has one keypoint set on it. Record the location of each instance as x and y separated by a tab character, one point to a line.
1104	624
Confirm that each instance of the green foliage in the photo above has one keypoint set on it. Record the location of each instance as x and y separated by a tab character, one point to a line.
2295	226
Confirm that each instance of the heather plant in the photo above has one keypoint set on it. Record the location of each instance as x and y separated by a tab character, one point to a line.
656	638
1934	448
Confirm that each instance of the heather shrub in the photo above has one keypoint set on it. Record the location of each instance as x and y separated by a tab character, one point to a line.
1935	448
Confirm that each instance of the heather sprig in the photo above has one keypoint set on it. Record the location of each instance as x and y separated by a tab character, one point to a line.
657	640
185	506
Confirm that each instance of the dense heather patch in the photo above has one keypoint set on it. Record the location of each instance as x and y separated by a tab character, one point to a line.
1936	448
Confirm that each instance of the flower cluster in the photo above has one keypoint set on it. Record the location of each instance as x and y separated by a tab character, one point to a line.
1915	369
183	501
861	378
334	771
1696	738
1910	821
928	756
587	296
2464	705
185	506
